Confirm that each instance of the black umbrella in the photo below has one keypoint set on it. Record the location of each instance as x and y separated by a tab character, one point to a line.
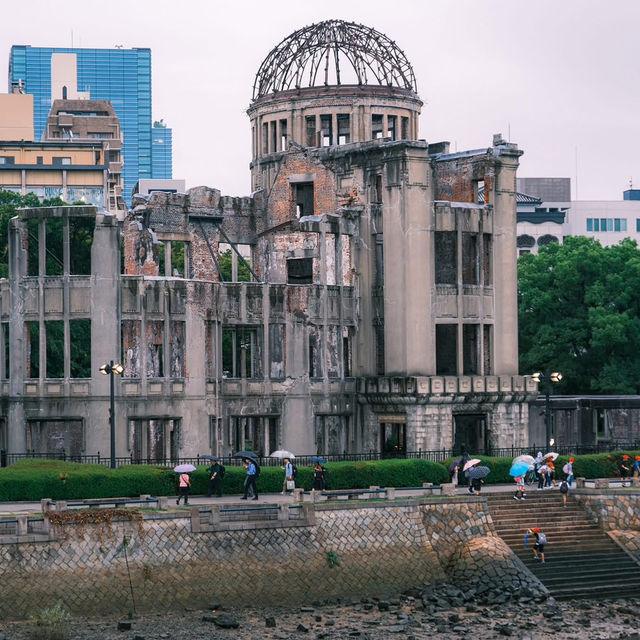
478	472
209	458
246	454
455	463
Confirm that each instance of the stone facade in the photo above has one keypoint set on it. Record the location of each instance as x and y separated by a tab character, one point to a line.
363	298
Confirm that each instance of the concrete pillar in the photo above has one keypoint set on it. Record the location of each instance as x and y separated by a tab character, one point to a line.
17	437
505	334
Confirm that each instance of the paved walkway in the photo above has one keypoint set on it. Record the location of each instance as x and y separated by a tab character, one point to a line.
7	508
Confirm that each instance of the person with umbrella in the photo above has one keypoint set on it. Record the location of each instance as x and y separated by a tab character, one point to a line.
319	474
216	473
476	474
288	476
518	470
184	481
250	485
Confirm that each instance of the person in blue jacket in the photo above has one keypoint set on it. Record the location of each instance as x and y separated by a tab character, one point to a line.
250	485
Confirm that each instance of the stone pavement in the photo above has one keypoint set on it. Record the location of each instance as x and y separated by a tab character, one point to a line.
265	498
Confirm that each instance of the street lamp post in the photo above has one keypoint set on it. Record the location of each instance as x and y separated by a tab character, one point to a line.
110	370
548	378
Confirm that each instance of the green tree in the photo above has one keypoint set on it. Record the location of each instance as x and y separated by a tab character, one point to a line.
579	313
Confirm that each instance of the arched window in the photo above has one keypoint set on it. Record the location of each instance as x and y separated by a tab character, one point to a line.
526	241
546	239
64	93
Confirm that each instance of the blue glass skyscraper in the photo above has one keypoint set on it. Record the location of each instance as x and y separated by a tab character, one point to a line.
161	151
122	76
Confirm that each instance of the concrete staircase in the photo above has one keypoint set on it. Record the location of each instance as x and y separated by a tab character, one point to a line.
582	561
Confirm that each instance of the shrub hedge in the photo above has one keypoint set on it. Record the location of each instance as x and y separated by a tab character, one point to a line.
31	480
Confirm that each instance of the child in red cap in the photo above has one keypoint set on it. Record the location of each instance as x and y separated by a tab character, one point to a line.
636	467
538	547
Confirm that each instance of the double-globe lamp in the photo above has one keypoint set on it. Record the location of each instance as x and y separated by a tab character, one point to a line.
548	378
112	369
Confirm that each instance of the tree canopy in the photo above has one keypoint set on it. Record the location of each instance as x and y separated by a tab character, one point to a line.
579	313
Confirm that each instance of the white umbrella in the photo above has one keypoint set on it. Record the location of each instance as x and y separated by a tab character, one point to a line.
184	468
524	458
552	454
282	454
470	463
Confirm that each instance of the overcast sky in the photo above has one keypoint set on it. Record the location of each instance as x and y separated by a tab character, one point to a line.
558	77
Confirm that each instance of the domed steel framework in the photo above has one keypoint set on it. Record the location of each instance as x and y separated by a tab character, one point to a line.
312	56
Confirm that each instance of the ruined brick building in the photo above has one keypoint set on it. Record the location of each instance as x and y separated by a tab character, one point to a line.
361	299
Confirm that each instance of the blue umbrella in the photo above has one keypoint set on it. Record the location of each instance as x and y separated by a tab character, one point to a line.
317	459
519	469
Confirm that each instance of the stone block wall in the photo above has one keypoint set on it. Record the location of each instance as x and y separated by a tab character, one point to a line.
611	509
344	550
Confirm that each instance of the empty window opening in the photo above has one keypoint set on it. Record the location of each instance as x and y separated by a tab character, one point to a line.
5	359
254	433
470	349
470	270
404	124
155	348
392	439
487	259
54	242
344	130
172	258
283	135
303	197
80	241
177	343
154	440
377	189
33	251
232	267
315	352
326	131
265	138
80	348
241	352
487	349
333	351
446	257
480	195
32	362
54	331
274	136
347	340
277	343
300	271
376	126
392	127
380	357
446	349
311	131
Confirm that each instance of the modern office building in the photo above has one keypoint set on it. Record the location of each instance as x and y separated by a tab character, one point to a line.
121	76
161	151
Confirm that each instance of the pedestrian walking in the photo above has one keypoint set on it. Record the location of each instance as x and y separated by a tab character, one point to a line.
184	488
319	477
541	541
519	494
288	483
476	485
636	467
250	486
623	468
568	472
216	474
564	490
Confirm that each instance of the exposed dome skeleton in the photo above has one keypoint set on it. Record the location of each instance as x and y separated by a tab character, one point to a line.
312	56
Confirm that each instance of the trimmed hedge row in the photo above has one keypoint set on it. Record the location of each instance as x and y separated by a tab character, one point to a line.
31	480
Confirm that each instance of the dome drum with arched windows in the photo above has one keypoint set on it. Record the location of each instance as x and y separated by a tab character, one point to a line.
333	83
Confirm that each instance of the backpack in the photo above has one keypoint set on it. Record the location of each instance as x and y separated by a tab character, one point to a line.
294	471
566	468
564	487
542	539
257	469
222	471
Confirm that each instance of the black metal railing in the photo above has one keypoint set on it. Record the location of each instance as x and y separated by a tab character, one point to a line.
435	455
